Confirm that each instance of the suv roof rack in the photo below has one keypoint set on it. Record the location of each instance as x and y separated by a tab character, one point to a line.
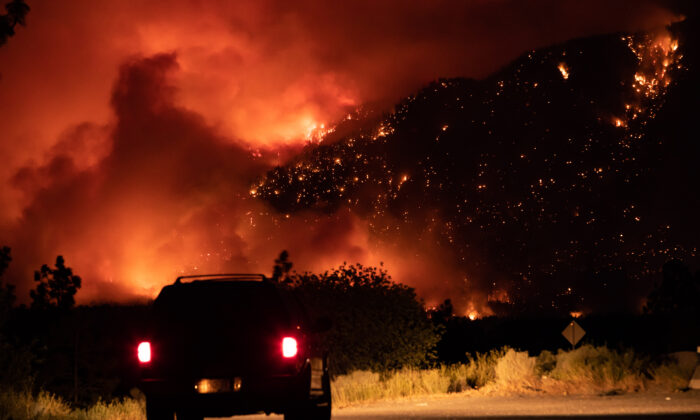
222	277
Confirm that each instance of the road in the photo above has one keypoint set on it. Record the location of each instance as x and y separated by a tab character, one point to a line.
672	405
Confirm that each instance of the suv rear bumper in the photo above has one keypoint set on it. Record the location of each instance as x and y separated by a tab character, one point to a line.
262	394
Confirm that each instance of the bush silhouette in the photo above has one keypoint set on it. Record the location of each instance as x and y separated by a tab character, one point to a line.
56	288
377	324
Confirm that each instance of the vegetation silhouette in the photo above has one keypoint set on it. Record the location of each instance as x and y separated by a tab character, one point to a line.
378	324
282	267
7	291
56	288
16	15
678	294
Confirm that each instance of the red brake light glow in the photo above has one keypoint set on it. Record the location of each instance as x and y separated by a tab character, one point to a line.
144	352
289	347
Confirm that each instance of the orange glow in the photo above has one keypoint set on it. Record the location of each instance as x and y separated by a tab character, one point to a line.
317	133
576	314
252	86
473	315
499	295
656	56
564	70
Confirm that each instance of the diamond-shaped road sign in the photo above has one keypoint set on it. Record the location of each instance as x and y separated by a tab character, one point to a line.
573	332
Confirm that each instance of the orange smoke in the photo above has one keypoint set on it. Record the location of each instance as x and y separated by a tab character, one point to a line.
132	132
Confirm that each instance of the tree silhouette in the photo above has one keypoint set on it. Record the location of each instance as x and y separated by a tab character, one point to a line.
16	13
57	287
443	312
280	271
5	259
7	291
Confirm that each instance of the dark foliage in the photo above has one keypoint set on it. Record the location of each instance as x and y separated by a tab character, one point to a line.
7	291
377	324
16	15
678	294
82	355
16	359
282	267
56	288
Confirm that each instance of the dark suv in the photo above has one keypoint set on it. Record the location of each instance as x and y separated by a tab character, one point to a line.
221	345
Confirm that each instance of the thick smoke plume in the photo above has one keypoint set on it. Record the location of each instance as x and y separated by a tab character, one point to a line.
132	133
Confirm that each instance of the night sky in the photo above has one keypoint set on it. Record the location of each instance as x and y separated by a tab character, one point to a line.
500	154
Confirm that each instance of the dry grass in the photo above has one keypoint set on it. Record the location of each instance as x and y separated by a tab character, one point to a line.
585	370
44	406
368	386
362	386
516	372
597	370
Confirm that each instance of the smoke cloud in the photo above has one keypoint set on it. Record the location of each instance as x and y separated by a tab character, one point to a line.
132	132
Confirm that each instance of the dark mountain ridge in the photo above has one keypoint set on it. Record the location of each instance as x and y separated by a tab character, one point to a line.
561	182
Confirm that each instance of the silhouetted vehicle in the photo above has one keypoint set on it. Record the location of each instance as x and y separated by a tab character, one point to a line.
221	345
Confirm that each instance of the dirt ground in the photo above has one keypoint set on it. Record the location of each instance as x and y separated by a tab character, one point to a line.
679	405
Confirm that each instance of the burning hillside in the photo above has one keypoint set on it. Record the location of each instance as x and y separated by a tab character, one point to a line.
526	188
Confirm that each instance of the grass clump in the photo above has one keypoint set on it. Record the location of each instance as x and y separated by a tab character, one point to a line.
516	371
21	405
671	374
126	409
481	368
369	386
589	370
362	386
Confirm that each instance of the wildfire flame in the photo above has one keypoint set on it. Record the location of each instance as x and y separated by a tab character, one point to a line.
316	133
564	70
656	56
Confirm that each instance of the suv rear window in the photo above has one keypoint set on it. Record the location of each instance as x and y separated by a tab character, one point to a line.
253	304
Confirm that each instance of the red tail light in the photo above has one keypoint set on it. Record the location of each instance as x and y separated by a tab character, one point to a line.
144	352
289	347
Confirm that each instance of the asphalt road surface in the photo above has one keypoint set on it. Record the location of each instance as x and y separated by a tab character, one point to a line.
673	405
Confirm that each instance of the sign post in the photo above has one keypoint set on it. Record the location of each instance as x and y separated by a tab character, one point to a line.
573	333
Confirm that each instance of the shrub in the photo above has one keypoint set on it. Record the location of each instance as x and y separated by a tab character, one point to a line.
516	371
590	369
669	373
378	325
481	369
545	363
